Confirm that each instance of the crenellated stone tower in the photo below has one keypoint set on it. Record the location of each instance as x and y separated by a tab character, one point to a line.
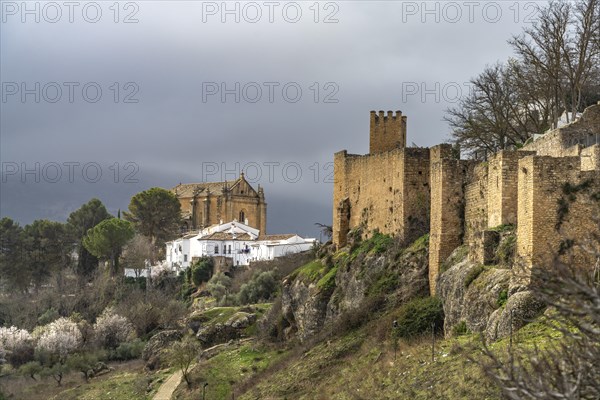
388	132
387	189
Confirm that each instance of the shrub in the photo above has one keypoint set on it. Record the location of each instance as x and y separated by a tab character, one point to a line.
83	362
419	244
503	228
49	316
187	289
139	282
473	274
460	329
380	243
262	287
128	350
386	282
416	317
202	271
506	249
17	345
502	298
111	329
151	310
219	285
31	369
376	244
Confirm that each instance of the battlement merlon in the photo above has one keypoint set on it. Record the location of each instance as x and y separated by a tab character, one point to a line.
387	132
390	114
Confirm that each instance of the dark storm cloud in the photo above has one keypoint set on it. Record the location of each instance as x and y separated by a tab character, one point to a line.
173	134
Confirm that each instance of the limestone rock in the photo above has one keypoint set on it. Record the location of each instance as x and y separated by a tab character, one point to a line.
154	350
524	307
304	307
241	320
472	302
307	309
211	335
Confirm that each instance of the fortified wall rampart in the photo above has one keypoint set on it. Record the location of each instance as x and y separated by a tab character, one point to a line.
549	190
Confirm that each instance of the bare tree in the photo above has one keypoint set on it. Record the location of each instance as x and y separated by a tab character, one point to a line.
183	354
563	47
555	68
137	253
326	230
498	112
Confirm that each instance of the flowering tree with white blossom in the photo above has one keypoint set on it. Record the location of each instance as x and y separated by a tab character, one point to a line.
55	342
112	329
59	338
16	346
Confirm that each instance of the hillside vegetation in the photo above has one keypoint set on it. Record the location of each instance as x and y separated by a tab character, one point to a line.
338	341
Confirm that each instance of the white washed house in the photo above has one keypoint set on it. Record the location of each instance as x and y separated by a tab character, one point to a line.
234	240
179	251
269	247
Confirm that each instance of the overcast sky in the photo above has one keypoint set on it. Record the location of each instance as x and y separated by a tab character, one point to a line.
189	94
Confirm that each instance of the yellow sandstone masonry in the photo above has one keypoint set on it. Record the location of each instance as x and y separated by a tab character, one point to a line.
542	229
387	189
410	191
209	203
447	176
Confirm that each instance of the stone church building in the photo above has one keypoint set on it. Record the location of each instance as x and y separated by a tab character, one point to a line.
211	203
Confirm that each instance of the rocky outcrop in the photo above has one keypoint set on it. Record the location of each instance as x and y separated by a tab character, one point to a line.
233	328
483	298
154	351
470	294
308	305
215	334
520	309
241	320
352	284
304	307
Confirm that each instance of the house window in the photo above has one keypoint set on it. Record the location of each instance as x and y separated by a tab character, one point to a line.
229	249
242	217
216	249
185	257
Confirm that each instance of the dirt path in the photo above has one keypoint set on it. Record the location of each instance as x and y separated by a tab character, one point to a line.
166	389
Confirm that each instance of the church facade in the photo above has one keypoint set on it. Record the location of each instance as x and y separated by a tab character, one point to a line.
211	203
